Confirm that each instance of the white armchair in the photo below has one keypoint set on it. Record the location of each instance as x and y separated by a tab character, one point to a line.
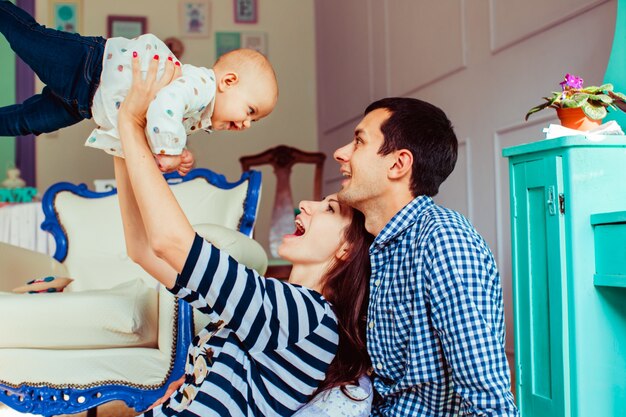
113	334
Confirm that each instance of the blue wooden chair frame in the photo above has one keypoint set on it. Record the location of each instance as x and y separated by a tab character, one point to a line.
49	400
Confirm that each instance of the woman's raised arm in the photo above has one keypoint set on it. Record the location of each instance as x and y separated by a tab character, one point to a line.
137	244
167	230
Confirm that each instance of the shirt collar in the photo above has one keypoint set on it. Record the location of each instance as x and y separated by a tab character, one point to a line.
401	221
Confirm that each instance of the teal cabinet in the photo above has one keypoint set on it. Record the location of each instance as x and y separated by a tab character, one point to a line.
568	231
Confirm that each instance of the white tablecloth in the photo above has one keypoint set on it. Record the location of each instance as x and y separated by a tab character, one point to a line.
20	225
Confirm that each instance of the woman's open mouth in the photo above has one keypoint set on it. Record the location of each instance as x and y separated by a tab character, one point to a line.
299	228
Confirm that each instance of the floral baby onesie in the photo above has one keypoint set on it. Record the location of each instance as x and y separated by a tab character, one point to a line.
179	109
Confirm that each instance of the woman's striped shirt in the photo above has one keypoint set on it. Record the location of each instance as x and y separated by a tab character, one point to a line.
267	348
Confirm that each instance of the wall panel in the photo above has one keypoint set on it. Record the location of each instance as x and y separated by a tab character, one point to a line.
422	55
485	63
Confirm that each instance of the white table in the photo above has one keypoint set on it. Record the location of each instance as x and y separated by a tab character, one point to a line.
20	225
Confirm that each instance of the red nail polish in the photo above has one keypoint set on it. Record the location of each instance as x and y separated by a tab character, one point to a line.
134	54
169	58
156	57
178	63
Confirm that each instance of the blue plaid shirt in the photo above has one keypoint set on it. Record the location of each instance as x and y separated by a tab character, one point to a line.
435	330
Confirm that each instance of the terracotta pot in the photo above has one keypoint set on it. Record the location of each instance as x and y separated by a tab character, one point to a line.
575	118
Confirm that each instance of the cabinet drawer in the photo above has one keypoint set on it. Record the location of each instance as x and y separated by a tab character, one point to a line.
609	230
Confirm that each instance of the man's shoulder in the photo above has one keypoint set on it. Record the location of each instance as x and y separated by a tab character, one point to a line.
438	219
438	227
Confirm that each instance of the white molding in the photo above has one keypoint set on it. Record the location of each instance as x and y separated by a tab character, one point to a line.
387	50
547	26
439	77
464	42
497	155
468	177
370	40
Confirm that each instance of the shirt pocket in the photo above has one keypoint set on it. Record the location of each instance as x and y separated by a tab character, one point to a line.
393	323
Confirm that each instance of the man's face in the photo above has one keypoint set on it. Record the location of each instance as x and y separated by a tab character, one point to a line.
364	169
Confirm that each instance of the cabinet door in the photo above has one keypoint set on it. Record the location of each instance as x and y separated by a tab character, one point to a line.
538	267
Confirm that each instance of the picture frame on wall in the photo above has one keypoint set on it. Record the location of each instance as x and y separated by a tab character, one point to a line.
226	42
195	18
246	11
66	15
126	26
255	40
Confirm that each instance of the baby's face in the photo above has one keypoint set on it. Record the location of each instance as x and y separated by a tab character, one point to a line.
242	103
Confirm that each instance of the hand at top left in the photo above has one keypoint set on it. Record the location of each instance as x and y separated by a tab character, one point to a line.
143	91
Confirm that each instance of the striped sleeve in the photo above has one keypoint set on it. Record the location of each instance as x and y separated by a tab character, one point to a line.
265	314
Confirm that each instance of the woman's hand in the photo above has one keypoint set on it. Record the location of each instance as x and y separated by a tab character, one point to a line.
153	197
142	92
170	390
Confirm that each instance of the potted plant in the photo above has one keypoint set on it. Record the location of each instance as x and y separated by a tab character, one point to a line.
579	107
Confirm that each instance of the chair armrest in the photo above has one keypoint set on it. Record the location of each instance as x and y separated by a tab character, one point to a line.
243	249
19	265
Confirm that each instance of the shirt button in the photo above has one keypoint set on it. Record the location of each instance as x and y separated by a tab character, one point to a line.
379	366
371	325
377	282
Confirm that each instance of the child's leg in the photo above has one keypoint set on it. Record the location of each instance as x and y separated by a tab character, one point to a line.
41	113
68	63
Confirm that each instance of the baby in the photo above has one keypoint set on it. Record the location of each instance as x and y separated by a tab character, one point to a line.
90	76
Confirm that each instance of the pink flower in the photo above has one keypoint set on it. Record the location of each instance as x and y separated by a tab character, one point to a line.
571	81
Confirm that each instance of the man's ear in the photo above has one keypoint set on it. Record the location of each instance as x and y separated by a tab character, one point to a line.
228	80
402	164
343	252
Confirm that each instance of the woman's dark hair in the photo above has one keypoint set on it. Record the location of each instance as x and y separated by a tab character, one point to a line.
427	133
346	287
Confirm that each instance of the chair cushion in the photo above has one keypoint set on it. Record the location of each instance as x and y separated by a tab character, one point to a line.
242	248
123	316
84	368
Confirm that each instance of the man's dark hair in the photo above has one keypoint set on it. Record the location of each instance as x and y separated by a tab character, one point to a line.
427	133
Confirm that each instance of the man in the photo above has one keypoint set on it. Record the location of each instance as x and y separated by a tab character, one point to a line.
435	329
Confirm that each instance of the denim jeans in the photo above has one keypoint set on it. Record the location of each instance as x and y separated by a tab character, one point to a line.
68	63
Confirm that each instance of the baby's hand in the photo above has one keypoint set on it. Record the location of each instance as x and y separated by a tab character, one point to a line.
168	163
187	161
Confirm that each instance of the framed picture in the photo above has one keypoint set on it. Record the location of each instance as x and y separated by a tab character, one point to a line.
195	18
245	11
254	40
126	26
226	42
66	15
